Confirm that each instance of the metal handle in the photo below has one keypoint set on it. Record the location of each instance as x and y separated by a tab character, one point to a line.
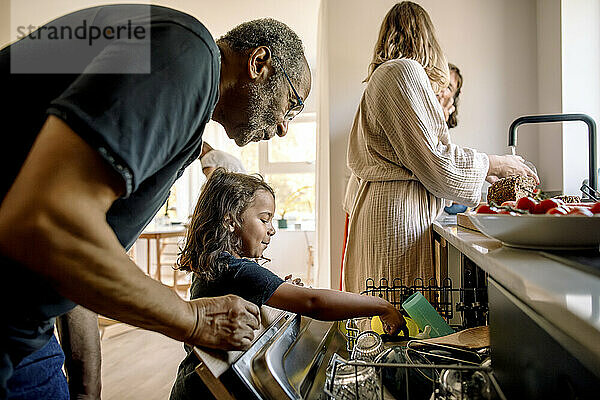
590	192
534	119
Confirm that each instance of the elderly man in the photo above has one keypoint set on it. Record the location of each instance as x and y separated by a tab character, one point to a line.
96	132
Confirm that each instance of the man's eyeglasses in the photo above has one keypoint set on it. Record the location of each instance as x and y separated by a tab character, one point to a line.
299	106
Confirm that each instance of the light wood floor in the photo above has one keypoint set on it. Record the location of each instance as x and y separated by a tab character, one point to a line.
138	364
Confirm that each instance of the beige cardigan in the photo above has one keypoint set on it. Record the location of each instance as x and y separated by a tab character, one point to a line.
403	167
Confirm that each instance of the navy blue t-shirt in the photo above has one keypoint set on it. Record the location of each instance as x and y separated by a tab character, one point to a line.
242	277
147	126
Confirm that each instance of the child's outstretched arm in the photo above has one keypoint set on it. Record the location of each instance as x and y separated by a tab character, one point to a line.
333	305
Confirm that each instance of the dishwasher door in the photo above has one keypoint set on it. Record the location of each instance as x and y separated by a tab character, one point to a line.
288	362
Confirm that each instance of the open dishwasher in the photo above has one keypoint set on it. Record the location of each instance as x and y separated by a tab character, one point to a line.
457	366
301	358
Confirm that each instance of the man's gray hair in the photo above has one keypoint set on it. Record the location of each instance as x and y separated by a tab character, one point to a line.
283	42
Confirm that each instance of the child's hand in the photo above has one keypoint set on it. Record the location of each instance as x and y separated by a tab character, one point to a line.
392	321
297	281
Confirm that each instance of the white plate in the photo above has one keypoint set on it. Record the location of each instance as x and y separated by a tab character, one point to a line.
559	232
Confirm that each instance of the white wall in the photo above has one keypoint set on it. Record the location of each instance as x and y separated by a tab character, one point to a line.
289	254
323	164
492	42
568	82
580	84
549	93
4	22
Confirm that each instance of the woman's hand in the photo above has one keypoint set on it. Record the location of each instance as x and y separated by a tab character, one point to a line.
508	165
392	321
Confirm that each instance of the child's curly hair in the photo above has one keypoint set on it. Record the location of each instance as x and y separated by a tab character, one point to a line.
224	197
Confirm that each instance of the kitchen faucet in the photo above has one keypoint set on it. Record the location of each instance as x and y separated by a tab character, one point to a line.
592	140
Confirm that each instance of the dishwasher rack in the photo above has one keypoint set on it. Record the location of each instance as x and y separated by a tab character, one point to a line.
421	378
434	371
447	301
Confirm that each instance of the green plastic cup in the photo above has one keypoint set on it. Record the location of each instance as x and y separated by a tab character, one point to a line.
423	313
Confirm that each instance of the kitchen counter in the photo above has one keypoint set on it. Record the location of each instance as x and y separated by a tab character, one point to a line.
565	297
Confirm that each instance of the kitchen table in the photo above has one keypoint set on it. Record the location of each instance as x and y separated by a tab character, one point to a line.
160	235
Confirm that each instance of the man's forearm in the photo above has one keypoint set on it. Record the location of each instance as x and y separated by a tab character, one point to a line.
92	269
80	341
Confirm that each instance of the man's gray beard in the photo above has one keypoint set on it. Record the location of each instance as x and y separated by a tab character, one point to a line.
262	109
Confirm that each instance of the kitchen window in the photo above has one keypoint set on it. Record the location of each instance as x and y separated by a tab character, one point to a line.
287	164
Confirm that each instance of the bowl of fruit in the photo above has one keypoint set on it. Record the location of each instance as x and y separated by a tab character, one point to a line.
540	224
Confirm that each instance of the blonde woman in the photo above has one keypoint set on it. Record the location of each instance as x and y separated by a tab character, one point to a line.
402	160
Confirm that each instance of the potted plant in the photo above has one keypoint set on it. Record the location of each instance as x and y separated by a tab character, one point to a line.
169	210
290	203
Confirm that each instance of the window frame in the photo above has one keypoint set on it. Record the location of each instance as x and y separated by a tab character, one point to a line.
265	166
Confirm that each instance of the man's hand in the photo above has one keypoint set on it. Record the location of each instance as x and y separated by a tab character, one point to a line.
226	322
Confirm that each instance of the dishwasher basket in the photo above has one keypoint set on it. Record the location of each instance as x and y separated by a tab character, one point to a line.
413	372
446	300
420	370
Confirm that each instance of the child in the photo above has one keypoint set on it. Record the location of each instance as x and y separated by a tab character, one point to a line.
231	226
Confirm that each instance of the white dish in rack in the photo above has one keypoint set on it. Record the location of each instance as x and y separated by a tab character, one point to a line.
558	232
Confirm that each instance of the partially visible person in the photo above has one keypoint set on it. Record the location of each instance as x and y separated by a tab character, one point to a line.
211	158
39	375
82	353
402	157
230	229
448	98
90	160
449	101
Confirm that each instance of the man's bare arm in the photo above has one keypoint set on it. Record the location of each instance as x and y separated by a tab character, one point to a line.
53	220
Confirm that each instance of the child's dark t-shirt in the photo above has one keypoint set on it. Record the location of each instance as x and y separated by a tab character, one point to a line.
242	277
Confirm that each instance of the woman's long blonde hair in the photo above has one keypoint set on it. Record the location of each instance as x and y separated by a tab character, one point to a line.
407	32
